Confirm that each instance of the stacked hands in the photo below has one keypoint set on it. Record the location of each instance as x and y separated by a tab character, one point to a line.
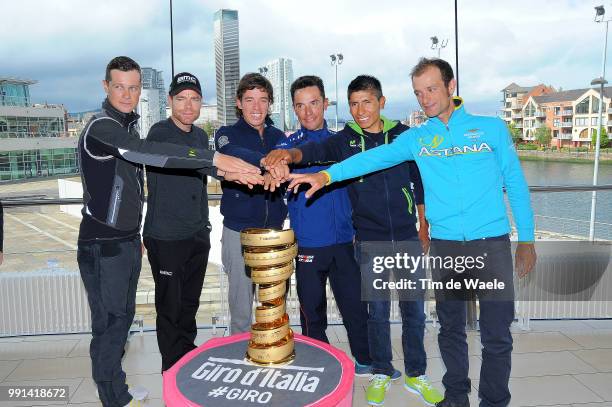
276	165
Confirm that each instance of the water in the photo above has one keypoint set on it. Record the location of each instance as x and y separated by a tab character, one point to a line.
569	212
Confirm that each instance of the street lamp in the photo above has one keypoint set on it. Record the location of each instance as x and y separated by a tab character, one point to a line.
436	44
336	59
599	18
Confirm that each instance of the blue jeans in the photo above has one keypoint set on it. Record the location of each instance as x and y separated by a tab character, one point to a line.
379	329
496	315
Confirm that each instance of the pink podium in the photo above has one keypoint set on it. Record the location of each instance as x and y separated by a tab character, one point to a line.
217	375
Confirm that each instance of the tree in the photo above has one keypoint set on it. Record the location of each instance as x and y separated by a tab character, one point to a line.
209	128
515	133
603	141
543	136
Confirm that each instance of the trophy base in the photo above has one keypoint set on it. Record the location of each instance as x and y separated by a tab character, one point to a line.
285	361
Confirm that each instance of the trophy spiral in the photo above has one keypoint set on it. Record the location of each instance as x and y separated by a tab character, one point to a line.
269	253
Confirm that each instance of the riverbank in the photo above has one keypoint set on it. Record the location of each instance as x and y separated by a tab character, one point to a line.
577	157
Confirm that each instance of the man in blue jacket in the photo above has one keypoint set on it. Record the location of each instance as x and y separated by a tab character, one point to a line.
385	217
465	162
250	139
324	232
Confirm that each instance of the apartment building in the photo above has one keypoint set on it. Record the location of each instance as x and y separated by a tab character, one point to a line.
571	115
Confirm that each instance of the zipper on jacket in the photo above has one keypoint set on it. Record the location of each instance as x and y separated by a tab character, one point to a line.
408	198
116	199
457	172
263	144
389	208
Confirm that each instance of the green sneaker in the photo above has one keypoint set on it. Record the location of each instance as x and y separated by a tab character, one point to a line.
377	389
420	385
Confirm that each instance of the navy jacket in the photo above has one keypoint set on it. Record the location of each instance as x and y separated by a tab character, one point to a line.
242	207
384	202
325	219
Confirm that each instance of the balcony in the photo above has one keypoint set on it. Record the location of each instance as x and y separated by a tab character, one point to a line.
566	125
568	112
517	116
518	125
540	114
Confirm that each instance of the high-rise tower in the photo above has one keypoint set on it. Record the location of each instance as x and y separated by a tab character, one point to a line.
227	64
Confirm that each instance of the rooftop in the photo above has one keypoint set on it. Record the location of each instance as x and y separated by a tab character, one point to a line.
10	79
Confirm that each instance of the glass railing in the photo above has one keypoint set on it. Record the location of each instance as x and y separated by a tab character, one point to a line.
41	290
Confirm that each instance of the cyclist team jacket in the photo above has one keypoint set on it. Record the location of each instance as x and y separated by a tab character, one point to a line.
323	220
111	155
465	165
384	203
177	200
242	207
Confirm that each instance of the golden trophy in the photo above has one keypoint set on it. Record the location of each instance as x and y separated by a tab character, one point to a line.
269	253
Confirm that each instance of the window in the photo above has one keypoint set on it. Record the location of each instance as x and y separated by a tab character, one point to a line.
557	110
583	107
556	123
581	121
595	104
530	110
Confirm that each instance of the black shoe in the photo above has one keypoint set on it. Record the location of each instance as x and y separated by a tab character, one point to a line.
449	403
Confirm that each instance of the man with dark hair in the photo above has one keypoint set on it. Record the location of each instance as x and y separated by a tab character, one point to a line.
250	138
324	233
385	209
109	254
466	161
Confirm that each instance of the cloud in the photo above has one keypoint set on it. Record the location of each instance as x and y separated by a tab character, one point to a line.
66	44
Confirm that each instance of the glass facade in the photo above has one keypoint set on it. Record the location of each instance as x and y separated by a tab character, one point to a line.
19	119
21	164
14	94
22	127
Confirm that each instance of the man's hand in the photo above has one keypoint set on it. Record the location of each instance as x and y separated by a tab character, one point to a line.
279	172
245	179
228	163
524	259
424	235
316	180
271	183
423	228
275	157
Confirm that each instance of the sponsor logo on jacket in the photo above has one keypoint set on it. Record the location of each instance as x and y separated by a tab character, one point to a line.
455	150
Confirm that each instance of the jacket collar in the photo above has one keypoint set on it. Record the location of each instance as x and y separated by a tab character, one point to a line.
124	118
387	125
323	130
458	114
242	124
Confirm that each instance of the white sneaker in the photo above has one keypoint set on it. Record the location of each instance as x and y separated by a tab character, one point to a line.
138	392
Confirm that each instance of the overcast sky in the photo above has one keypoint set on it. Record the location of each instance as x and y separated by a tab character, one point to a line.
65	44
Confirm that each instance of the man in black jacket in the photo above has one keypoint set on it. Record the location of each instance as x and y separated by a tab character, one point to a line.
176	230
109	248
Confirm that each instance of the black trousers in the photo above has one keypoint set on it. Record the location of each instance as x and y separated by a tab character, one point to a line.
110	271
337	262
178	268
